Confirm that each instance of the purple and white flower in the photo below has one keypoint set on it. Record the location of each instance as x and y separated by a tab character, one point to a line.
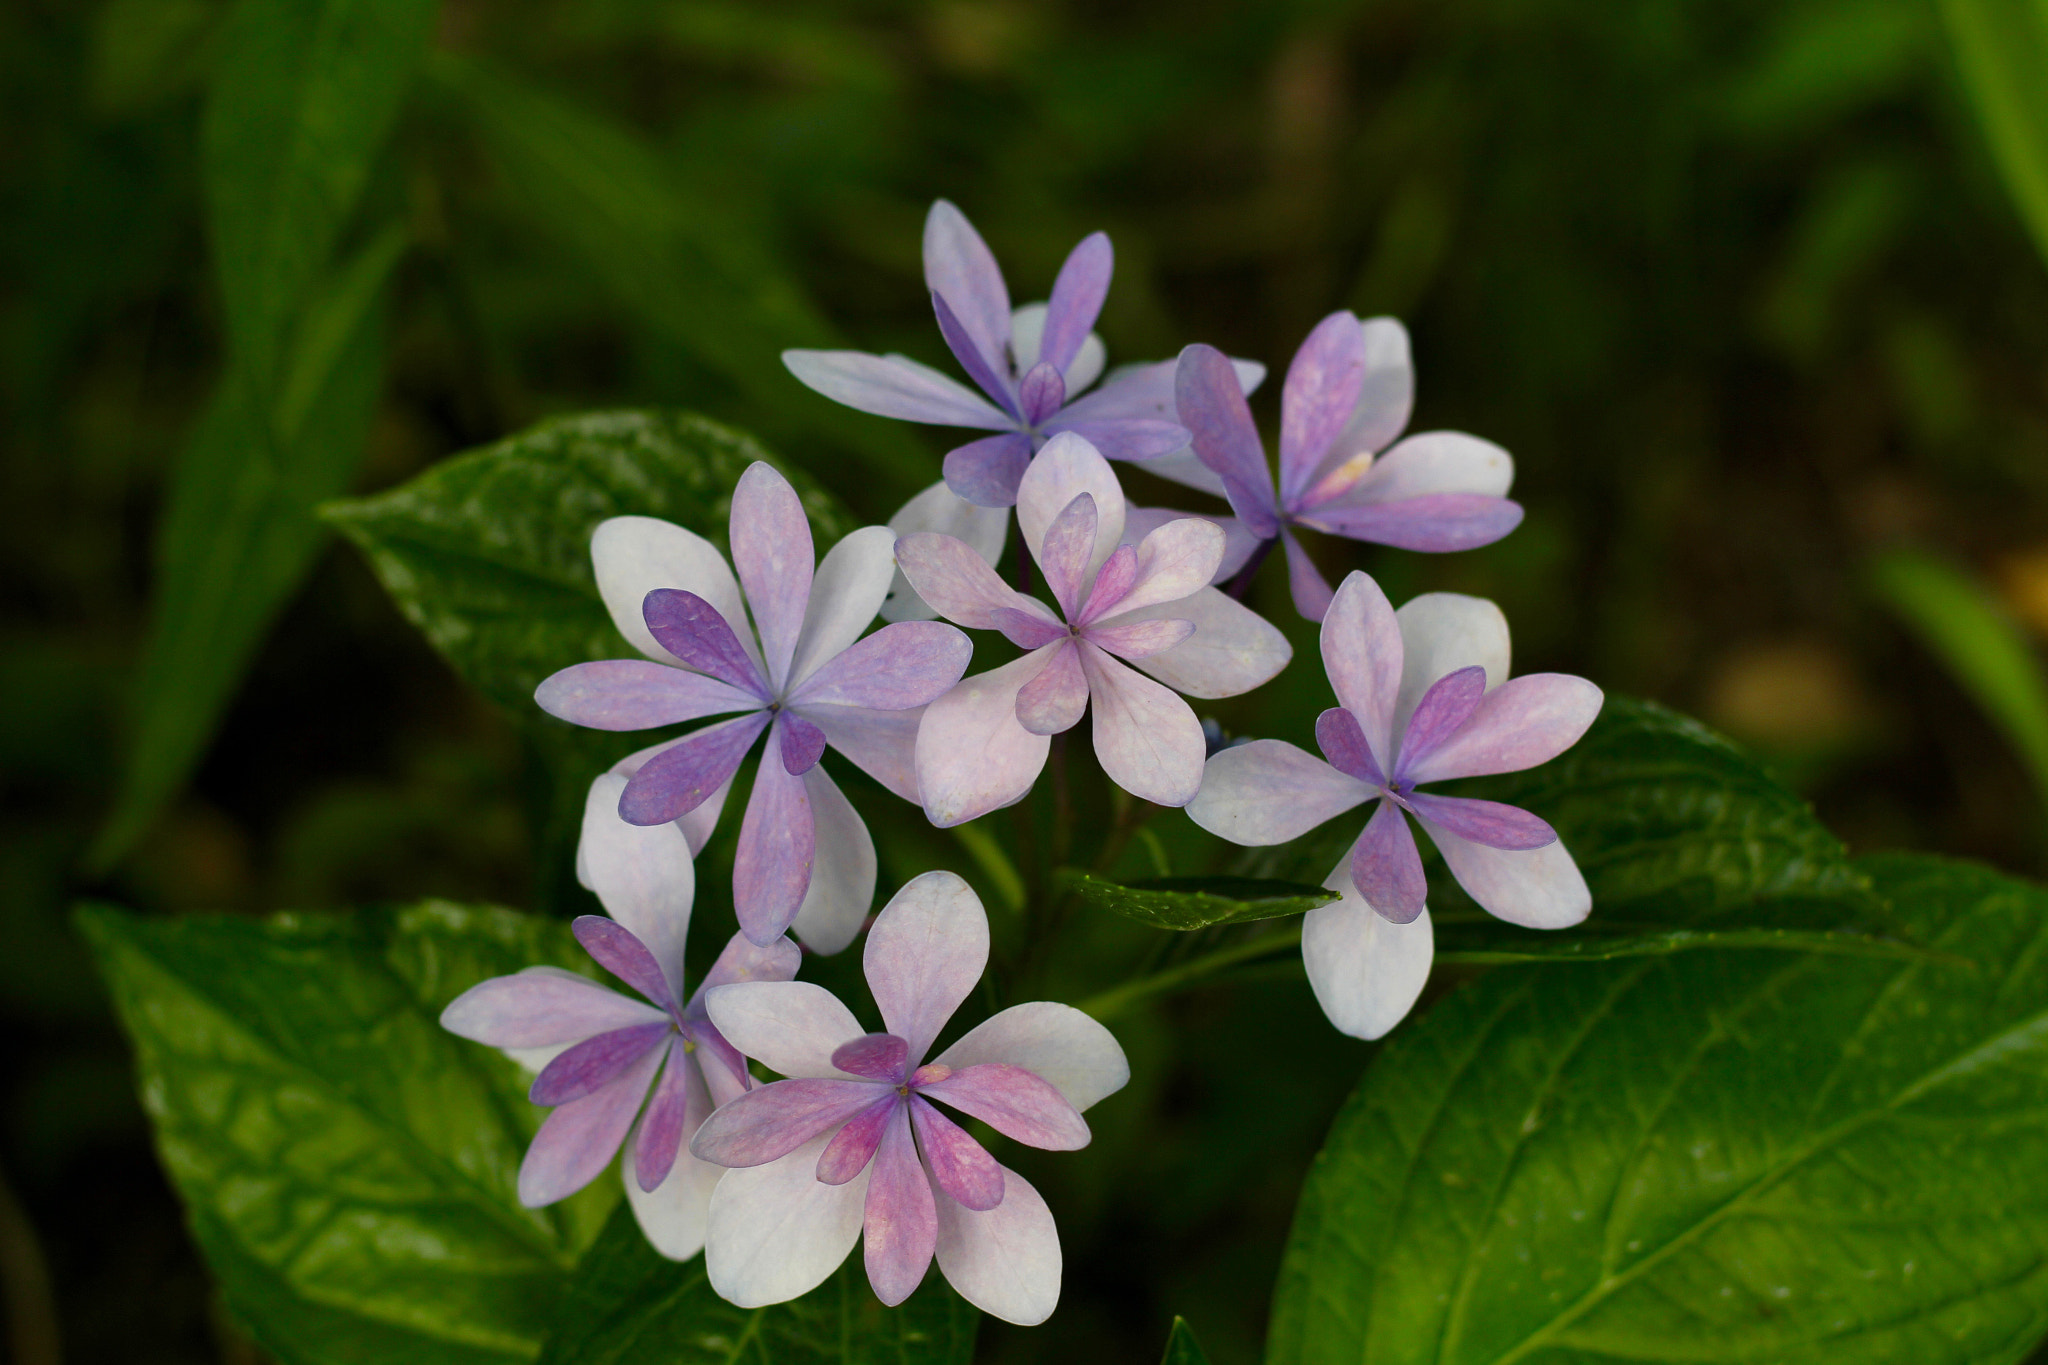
1031	363
598	1052
809	681
1348	394
852	1142
982	744
1424	696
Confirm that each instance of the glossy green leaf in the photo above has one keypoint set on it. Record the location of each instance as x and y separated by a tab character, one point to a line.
627	1305
1495	942
1181	1346
349	1167
1197	902
1710	1156
2001	49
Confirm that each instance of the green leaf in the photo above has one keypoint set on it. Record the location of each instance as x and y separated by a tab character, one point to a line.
2001	49
627	1305
348	1166
1710	1156
1982	647
1181	1346
1197	902
489	553
1494	942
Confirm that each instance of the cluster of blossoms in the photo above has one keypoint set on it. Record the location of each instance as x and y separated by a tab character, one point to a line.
775	1180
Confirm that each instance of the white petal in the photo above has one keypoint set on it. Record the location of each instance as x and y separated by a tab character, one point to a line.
1537	888
890	386
541	1007
1385	400
1146	737
642	874
846	592
1367	973
1442	632
791	1027
1184	467
939	509
1067	467
1269	791
1174	562
882	744
842	870
632	556
1233	649
674	1216
972	755
925	955
1064	1047
1006	1262
777	1231
1027	328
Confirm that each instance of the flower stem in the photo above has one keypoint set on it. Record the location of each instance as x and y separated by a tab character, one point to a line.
1118	999
981	845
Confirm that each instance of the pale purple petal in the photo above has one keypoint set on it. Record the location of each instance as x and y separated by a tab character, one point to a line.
1320	394
1366	971
578	1139
1130	393
898	667
636	694
1123	439
972	755
925	955
1030	629
771	867
1063	554
1146	738
940	509
1538	888
673	1215
1058	1043
1521	723
791	1027
1212	407
720	1064
541	1007
1447	704
1014	1102
902	1224
619	951
958	583
773	1120
632	556
1183	466
595	1063
1436	523
690	628
1067	467
1040	394
842	873
1027	329
659	1134
989	374
696	824
1112	585
853	1146
1175	561
1427	464
961	1167
986	472
1312	595
1268	792
1484	822
887	387
1440	633
677	780
1388	394
1363	654
874	1057
642	874
1342	741
882	744
800	743
1138	639
1233	649
846	592
1386	867
771	548
776	1231
744	960
1006	1262
959	265
1054	700
1076	301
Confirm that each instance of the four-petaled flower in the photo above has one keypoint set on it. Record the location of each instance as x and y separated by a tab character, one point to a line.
852	1141
1347	396
1424	696
1030	363
809	682
983	743
598	1051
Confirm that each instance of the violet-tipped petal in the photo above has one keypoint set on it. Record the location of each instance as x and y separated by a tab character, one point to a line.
773	553
1065	552
693	630
986	472
1484	822
637	694
801	743
1344	743
677	780
925	955
980	368
1077	295
595	1063
853	1146
1319	396
898	667
1040	393
771	867
660	1135
961	1167
1447	704
874	1057
776	1119
1387	867
901	1226
1438	523
619	951
1053	701
1014	1102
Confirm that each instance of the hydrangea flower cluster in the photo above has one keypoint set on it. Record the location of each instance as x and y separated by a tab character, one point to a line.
756	1119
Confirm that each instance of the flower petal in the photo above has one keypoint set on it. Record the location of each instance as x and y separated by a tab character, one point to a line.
898	668
1386	397
1112	585
925	955
1319	397
1233	649
940	509
961	1167
1067	467
986	472
1538	888
1006	1261
1211	406
744	960
991	375
776	1231
632	556
882	744
1146	738
1363	653
658	1136
619	951
1367	972
1519	724
790	1027
1184	467
1437	523
696	824
1305	581
1138	640
1342	741
674	1214
800	743
643	875
1269	791
1054	700
691	629
842	874
902	1222
771	869
959	265
541	1007
1427	464
854	1145
888	387
1027	328
972	755
958	583
1039	394
1014	1102
1442	632
771	548
1063	555
1034	629
679	778
1447	704
1124	439
1491	823
1386	867
636	694
595	1063
846	592
770	1121
1061	1045
1076	302
577	1140
874	1057
1175	561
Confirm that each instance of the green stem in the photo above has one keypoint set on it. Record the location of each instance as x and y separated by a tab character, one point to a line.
1116	1001
988	854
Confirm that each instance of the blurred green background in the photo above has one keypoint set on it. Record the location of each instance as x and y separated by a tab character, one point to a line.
1739	285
